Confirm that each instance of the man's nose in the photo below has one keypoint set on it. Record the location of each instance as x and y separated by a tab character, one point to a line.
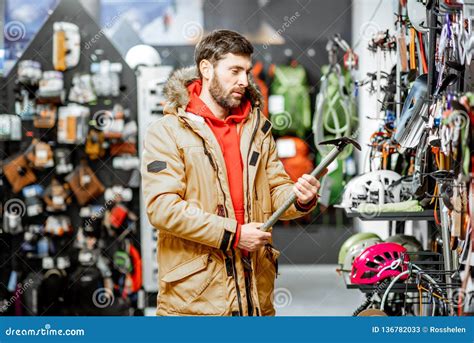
244	80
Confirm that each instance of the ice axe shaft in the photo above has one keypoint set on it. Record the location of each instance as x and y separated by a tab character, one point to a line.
328	159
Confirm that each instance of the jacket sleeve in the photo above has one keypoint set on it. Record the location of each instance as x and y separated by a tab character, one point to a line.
164	185
281	186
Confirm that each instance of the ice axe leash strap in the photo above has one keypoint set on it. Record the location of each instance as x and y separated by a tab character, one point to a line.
340	144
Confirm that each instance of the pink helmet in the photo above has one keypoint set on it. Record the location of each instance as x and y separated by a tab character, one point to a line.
379	262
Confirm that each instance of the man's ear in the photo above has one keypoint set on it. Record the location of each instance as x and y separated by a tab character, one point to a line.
206	69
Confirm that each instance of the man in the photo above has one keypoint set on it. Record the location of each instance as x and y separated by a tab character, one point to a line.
211	176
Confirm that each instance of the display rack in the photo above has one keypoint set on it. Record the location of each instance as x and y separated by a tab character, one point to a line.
426	215
94	42
443	266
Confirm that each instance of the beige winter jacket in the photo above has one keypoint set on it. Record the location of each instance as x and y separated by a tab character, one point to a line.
188	200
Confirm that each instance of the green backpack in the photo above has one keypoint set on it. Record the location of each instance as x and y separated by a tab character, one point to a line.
335	113
289	102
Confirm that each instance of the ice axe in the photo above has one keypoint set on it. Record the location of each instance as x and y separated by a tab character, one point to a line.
340	144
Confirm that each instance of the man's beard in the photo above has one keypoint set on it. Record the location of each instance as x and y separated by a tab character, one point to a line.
224	100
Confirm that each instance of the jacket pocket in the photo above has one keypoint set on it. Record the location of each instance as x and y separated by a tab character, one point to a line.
266	273
196	286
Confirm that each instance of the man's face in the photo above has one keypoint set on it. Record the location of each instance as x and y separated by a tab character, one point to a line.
229	80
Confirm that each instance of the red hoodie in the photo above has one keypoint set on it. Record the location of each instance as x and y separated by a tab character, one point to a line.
226	134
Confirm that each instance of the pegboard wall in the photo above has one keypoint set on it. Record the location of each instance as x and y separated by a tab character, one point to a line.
94	44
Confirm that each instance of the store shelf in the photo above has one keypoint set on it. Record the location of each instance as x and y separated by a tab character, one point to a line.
392	216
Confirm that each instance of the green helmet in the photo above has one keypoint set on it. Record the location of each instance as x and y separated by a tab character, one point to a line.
355	239
409	242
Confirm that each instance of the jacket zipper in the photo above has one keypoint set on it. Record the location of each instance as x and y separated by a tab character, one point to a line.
249	291
248	154
239	298
216	169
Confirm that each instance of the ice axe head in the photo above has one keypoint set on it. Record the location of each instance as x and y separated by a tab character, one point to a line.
341	143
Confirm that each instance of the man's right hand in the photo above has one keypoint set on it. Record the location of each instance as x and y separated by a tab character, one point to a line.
251	238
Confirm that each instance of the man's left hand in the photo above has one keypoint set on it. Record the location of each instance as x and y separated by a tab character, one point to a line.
306	188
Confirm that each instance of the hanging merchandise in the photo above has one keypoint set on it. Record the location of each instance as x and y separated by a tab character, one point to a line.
56	150
335	116
294	153
66	45
95	144
122	262
106	78
12	214
58	226
434	150
31	238
111	123
129	264
82	90
84	184
40	154
136	275
335	109
51	88
130	131
18	172
45	116
57	196
410	129
29	72
381	43
91	226
72	124
118	193
123	148
33	203
10	127
90	285
25	105
62	161
117	216
416	11
383	152
289	102
335	113
126	162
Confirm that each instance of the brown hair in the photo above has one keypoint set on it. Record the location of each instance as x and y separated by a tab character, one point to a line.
218	43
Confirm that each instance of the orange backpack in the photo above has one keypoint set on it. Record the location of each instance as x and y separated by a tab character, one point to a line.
294	153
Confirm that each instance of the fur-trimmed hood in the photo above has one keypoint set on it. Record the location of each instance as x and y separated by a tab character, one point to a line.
177	95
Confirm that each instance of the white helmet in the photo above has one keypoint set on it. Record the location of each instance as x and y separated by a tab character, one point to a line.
372	187
416	11
142	55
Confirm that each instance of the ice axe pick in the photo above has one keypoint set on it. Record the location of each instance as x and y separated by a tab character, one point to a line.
339	145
